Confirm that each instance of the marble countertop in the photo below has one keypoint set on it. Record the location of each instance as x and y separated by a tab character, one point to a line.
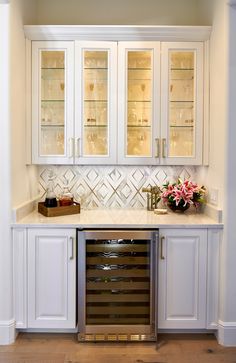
120	218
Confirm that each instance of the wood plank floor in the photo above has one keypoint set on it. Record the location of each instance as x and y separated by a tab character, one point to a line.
64	348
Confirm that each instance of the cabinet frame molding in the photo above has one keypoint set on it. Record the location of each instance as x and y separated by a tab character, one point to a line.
118	32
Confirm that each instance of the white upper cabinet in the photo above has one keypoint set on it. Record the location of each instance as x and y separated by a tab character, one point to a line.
52	102
139	102
182	103
160	113
95	102
147	110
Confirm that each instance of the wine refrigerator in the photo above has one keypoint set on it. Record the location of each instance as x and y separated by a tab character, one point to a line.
117	285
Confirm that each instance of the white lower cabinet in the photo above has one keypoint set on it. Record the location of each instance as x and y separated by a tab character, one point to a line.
182	279
51	278
45	278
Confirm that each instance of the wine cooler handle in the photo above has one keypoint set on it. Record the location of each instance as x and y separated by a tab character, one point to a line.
72	248
164	148
77	146
162	253
157	148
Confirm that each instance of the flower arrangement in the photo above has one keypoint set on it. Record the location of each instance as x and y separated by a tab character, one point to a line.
180	195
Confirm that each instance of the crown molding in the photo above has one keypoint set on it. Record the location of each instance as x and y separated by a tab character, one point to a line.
117	32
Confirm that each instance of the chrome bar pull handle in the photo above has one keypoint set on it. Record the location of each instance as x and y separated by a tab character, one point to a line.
162	253
164	148
77	147
71	147
157	148
72	248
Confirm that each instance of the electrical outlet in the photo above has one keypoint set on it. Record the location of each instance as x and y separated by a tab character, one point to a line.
213	196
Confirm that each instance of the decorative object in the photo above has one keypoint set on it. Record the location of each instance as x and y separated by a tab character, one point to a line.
59	211
180	195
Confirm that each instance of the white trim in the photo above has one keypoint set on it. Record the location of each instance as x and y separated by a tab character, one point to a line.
213	270
117	32
28	82
7	332
206	104
19	237
227	333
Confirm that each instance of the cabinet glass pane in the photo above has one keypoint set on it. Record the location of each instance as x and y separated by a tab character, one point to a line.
139	103
181	103
52	111
95	103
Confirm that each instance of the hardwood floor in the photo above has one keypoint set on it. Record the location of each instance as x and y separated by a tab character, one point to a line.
64	348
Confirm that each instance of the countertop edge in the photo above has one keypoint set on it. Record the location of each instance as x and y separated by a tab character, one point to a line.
120	219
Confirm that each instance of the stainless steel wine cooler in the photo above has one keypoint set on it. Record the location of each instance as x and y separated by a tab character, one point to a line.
117	285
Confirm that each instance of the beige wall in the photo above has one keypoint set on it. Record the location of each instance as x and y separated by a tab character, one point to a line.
23	178
145	12
205	11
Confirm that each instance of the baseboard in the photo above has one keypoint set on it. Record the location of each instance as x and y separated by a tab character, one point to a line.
7	332
227	333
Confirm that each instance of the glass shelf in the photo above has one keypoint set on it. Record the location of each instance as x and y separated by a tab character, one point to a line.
140	79
182	69
96	68
140	101
182	79
105	101
95	125
52	100
182	126
53	125
52	68
139	126
182	101
139	69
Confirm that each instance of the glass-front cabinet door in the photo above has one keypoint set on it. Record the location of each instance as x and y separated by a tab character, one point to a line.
95	102
182	103
139	102
52	102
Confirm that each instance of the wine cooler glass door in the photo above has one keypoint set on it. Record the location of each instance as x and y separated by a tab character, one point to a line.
119	285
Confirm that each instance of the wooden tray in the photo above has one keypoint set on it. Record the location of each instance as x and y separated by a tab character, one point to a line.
58	211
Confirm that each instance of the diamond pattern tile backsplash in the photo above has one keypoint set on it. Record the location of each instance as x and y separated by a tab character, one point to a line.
110	186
